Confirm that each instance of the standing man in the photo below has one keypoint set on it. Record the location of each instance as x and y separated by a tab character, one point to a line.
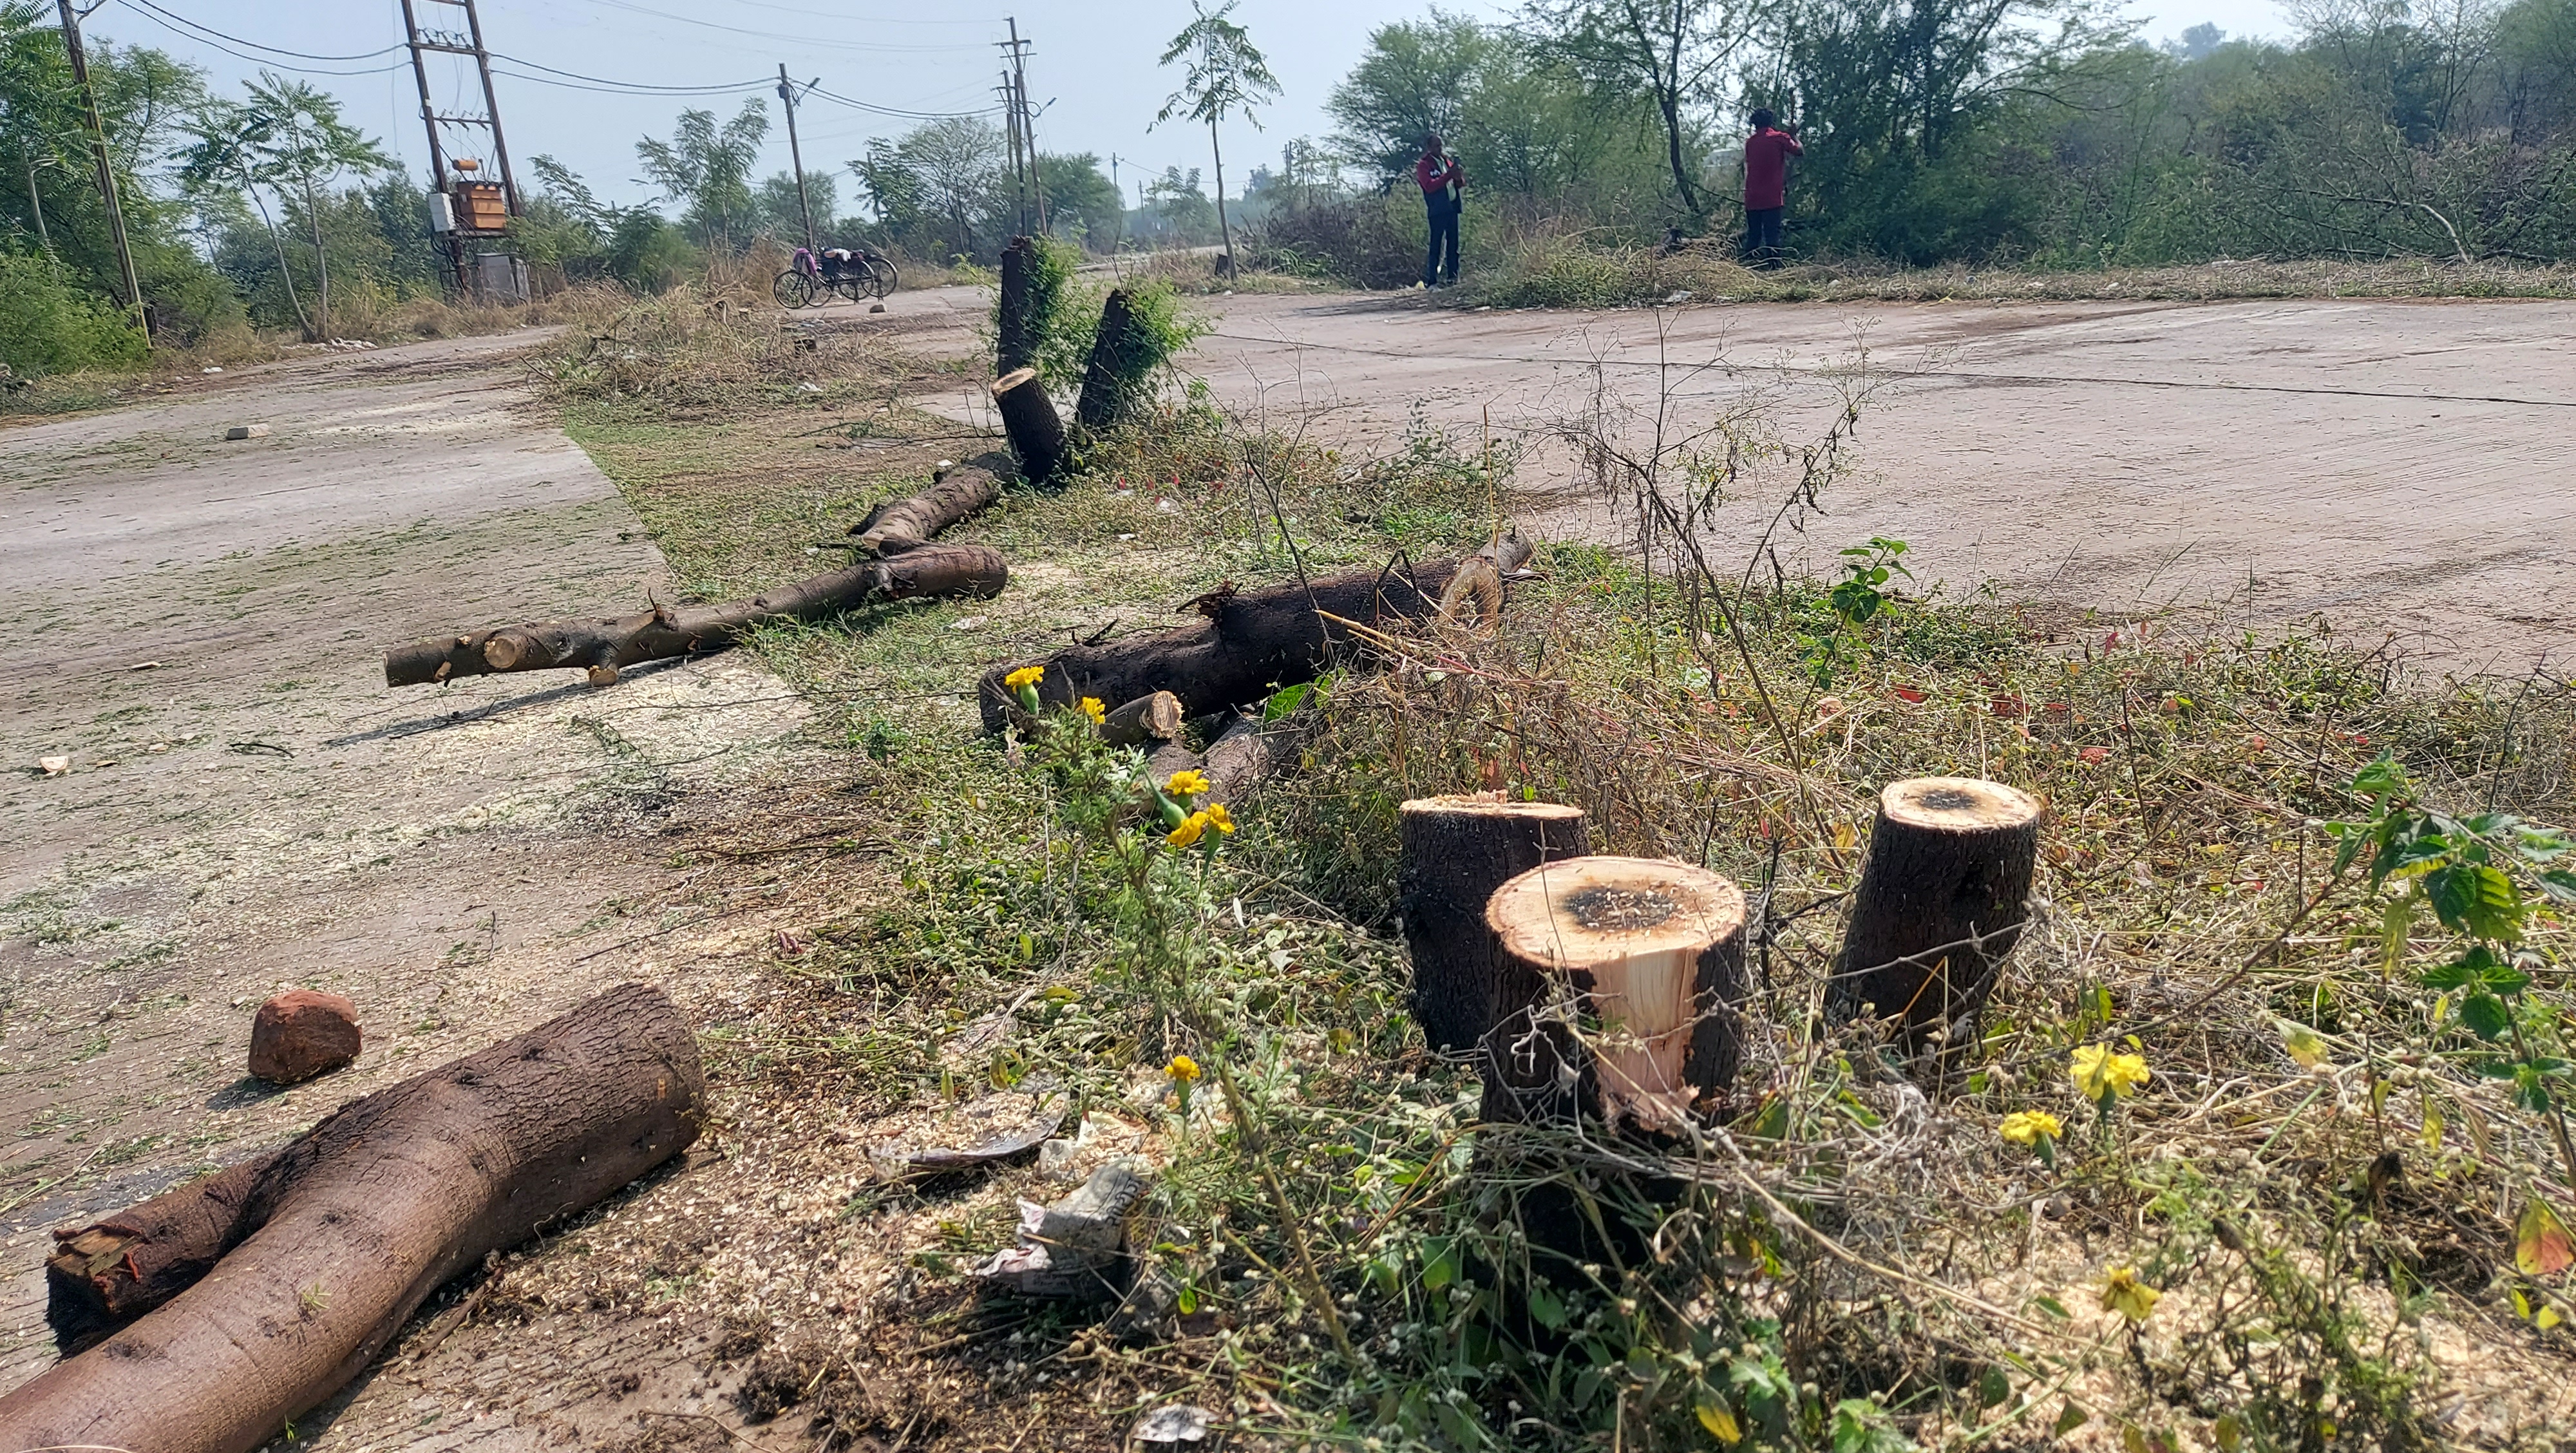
1442	179
1766	187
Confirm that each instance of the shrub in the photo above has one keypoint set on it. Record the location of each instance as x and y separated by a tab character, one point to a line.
47	326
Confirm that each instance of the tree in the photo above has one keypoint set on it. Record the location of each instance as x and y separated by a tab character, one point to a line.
707	169
1413	82
1179	202
1077	189
286	143
1674	50
1225	74
940	172
782	208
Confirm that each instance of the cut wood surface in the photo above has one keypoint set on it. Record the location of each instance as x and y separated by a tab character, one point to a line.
1940	904
1249	644
1036	430
1153	717
955	493
1456	851
281	1279
1653	954
603	647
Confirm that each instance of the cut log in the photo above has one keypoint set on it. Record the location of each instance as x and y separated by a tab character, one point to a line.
319	1252
1652	953
1015	341
1247	751
1251	643
603	647
1036	430
954	494
1154	717
1109	383
1940	905
1456	852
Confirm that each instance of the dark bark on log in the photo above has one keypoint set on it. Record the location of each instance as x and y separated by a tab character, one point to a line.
1252	643
605	646
908	523
1015	343
1155	717
1243	755
1035	429
1108	386
1940	905
1456	852
1650	955
327	1246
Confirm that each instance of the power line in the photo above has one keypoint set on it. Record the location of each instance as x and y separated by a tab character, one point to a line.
173	15
267	60
807	38
639	87
898	111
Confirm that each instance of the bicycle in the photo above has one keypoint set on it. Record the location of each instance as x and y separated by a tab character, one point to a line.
810	283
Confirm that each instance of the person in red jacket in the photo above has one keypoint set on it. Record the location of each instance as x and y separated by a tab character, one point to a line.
1766	186
1441	179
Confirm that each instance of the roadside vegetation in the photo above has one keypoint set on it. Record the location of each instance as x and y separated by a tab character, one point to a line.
2259	1144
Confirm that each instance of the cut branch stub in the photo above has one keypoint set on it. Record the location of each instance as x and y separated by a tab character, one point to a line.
1456	852
1653	952
1154	717
1036	430
1941	902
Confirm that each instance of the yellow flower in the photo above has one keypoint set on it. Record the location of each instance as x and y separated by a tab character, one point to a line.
2098	1072
2127	1295
1025	676
1182	1068
1187	782
1090	706
2024	1127
1190	830
1218	817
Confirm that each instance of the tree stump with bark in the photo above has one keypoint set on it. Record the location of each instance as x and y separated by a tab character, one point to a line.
1109	383
1036	430
1651	958
1940	905
1456	851
1015	339
954	494
271	1284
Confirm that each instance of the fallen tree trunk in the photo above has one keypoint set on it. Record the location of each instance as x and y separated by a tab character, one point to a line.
1246	752
1251	642
954	493
1154	717
1940	904
1109	381
1036	430
1015	343
309	1260
603	647
1456	852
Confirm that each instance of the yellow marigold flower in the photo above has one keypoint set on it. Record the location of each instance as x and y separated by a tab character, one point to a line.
1189	832
1090	706
2023	1127
2098	1072
1025	676
1187	782
2127	1295
1182	1068
1218	817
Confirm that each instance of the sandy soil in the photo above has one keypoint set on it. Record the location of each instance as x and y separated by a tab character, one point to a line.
2403	467
250	808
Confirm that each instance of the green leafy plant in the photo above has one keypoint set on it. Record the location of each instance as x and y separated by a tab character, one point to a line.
1860	597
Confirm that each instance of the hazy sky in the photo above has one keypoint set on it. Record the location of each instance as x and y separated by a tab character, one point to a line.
1092	65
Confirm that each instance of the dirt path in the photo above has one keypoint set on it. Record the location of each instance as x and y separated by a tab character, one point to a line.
2400	466
257	810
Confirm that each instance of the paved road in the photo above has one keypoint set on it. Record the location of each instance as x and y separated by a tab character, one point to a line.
2401	467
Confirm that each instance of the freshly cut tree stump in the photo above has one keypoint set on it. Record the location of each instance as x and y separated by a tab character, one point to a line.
603	647
1154	717
1036	430
1653	953
280	1279
955	493
1456	852
1015	341
1251	642
1108	379
1941	902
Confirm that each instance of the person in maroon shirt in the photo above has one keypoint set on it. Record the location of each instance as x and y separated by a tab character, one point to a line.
1766	187
1441	179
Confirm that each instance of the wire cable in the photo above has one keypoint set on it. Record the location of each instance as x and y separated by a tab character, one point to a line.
807	38
268	61
637	87
172	15
898	111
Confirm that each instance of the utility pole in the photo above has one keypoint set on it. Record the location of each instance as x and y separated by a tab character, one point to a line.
106	169
796	154
1011	135
466	221
1119	192
1028	118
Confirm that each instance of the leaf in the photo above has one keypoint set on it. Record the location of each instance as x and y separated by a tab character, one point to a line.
1718	1419
2545	1318
2304	1045
2475	899
1547	1310
2069	1420
1439	1262
2054	1308
2485	1015
1993	1387
2228	1434
2541	1246
2559	884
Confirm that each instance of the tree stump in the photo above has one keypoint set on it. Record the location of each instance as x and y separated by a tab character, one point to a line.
1015	340
1940	904
1154	717
1652	953
1109	385
1035	429
1456	852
